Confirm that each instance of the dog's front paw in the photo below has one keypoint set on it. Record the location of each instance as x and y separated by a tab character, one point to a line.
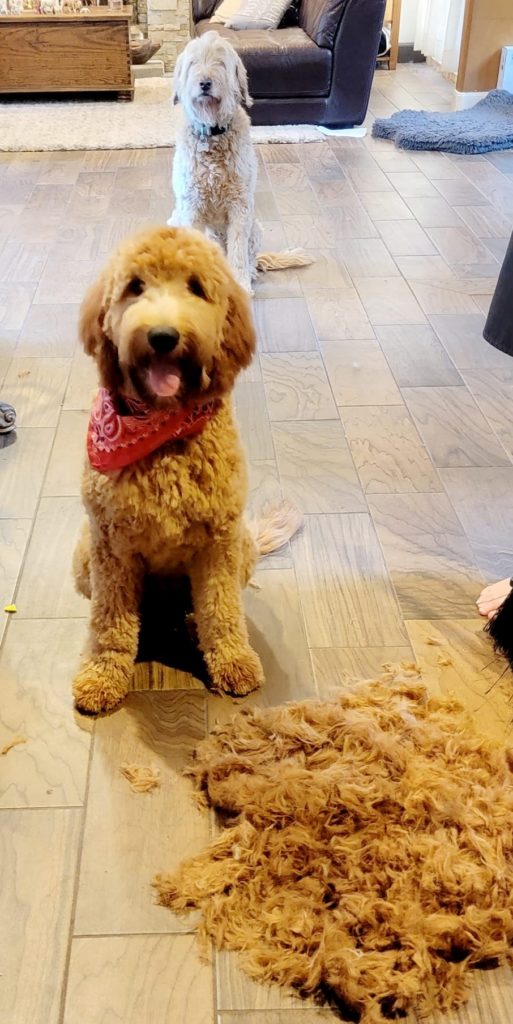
102	684
238	675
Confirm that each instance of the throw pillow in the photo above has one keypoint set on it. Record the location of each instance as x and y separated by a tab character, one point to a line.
226	10
261	14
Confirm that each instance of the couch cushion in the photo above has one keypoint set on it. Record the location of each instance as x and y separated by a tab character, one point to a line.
279	62
320	19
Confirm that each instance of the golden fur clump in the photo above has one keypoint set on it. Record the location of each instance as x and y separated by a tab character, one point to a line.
369	860
178	511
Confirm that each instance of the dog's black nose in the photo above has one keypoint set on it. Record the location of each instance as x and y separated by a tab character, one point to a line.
206	86
163	339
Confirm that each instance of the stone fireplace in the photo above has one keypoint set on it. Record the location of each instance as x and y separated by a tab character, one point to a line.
166	22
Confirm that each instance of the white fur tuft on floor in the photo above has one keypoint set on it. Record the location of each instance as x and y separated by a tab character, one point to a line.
33	125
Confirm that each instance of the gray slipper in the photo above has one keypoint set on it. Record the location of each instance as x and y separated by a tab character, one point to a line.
7	418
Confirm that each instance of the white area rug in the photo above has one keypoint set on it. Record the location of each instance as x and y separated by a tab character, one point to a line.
148	122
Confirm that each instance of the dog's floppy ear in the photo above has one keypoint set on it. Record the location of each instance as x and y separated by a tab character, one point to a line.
93	337
178	79
242	82
239	338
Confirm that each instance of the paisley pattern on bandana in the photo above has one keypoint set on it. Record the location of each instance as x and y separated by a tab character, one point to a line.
116	439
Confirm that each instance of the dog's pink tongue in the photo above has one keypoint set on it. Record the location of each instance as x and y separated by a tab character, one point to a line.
164	381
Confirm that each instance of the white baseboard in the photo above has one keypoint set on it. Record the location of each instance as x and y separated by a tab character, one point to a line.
356	133
464	100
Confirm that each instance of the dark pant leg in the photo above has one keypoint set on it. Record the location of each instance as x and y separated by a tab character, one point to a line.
499	324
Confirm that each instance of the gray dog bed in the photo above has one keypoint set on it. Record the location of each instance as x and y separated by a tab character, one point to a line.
481	129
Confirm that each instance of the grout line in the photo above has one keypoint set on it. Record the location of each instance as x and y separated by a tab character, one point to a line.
78	865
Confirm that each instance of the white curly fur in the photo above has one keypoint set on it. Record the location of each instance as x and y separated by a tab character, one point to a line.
214	177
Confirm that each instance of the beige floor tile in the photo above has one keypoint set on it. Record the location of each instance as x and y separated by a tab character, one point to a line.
337	668
476	678
14	535
82	383
385	206
49	330
46	588
36	389
389	300
265	204
265	492
437	301
136	979
455	432
67	459
296	387
39	857
253	420
327	271
405	238
15	301
416	356
427	554
493	392
459	245
366	176
433	212
387	451
147	832
22	263
236	991
289	177
320	163
483	499
306	200
345	590
346	218
22	468
485	221
436	165
279	153
305	231
284	325
460	192
307	1016
358	374
338	314
277	631
462	336
283	285
366	257
37	663
79	274
316	468
411	184
394	160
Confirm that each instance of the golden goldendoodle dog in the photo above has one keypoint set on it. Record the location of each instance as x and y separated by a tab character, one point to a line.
164	484
215	165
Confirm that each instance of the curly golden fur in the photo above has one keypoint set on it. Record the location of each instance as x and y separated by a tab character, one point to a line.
369	854
179	510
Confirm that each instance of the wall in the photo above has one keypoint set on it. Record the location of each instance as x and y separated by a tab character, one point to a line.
408	21
488	26
168	24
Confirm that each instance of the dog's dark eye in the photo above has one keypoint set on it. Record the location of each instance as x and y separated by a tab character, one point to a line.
195	286
135	286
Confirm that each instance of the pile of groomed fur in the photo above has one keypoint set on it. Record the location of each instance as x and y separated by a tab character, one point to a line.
370	860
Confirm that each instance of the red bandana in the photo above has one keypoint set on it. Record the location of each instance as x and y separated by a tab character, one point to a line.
116	440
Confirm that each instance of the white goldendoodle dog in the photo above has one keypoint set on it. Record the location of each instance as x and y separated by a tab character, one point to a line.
215	166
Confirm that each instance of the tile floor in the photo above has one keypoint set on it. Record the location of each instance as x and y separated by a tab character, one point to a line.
374	404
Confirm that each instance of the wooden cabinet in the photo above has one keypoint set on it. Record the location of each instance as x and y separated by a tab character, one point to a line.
67	52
